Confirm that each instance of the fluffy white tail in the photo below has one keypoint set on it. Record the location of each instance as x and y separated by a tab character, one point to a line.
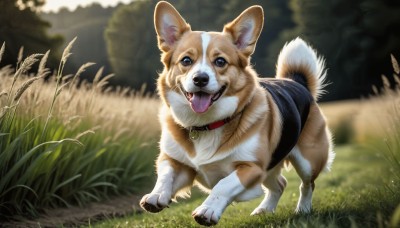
298	61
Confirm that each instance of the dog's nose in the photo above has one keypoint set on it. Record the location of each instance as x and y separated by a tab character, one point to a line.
201	79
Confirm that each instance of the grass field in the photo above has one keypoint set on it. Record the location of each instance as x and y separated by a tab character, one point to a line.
63	146
358	193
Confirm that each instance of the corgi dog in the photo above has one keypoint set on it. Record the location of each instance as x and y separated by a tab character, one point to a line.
229	131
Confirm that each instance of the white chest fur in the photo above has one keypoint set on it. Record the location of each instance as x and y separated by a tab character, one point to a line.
206	156
206	146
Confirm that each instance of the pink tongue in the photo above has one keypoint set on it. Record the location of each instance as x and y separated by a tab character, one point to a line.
200	102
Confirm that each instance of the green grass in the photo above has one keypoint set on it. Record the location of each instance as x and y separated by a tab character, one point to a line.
63	156
359	192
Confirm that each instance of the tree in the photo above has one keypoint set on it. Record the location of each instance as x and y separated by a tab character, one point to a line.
23	27
33	5
132	45
356	38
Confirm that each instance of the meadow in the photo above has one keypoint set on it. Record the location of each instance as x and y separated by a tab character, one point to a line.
64	142
62	146
350	196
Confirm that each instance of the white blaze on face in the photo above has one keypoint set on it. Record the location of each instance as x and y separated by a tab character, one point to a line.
205	67
201	101
205	40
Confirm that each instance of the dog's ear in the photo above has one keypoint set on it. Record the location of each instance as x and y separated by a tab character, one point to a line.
246	29
169	25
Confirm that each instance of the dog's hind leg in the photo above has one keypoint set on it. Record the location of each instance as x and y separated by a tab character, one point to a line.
312	155
304	170
273	185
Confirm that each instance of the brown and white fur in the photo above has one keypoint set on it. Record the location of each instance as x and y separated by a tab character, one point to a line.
230	162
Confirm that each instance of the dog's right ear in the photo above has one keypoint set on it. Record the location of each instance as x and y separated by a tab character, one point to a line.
169	25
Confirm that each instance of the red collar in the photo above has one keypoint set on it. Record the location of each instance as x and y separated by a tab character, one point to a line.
194	131
211	126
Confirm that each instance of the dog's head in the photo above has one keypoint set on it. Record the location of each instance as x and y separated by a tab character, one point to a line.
206	74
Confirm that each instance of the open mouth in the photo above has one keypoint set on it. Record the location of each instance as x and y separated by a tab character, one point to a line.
201	101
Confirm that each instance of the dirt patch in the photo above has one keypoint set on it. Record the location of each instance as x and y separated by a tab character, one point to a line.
76	216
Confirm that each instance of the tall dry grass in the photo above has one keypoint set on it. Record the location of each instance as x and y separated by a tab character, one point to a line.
121	111
360	121
387	112
379	116
68	143
374	123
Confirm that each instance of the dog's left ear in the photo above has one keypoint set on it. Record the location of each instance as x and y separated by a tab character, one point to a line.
246	29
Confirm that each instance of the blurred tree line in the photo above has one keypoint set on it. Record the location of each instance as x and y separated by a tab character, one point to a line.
355	37
20	26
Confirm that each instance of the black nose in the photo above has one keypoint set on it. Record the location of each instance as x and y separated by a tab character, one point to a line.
201	79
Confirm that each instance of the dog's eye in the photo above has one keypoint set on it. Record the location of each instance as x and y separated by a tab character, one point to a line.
186	61
220	62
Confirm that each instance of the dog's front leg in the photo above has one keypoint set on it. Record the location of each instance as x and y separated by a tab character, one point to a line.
225	191
172	177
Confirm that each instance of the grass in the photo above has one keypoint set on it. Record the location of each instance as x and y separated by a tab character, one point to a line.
353	194
63	146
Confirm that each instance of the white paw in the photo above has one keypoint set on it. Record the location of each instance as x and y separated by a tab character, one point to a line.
303	209
206	215
260	211
304	206
155	202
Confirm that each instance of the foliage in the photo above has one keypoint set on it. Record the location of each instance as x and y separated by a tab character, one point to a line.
31	4
23	27
356	39
132	45
62	146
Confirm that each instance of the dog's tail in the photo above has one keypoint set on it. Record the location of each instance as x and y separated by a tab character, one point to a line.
299	62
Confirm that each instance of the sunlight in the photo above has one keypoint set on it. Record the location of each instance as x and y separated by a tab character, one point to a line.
55	5
22	6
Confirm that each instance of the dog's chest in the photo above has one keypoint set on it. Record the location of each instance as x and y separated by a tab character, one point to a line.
206	146
210	163
207	149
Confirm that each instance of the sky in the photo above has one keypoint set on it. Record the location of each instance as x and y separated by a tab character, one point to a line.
55	5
